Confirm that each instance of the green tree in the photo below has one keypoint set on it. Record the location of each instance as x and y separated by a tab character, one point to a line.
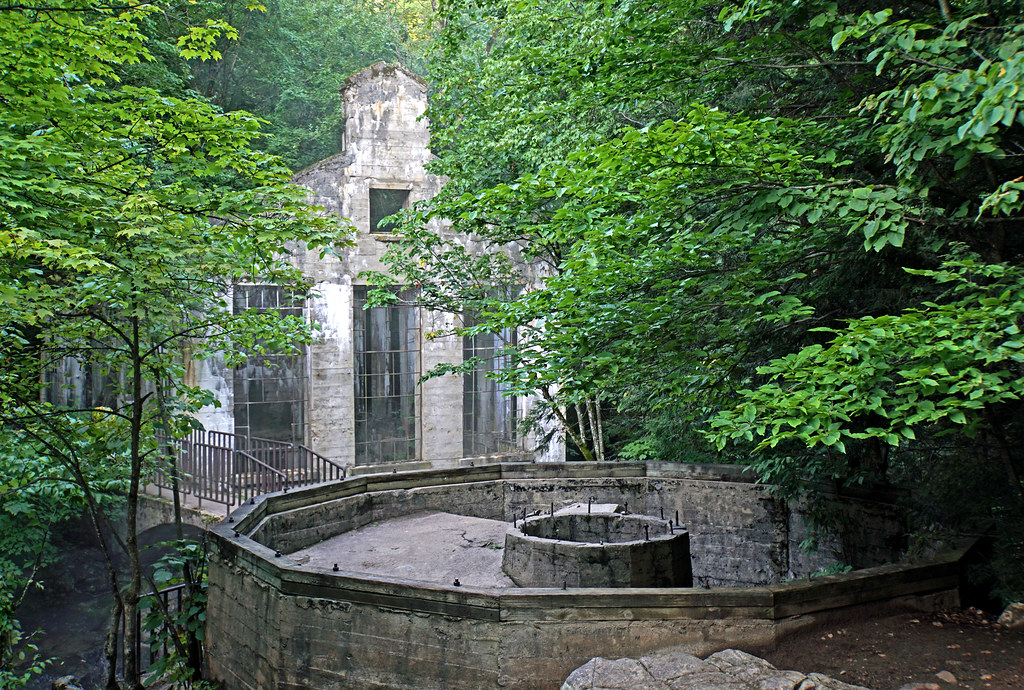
706	187
126	215
567	131
288	65
36	494
948	134
517	88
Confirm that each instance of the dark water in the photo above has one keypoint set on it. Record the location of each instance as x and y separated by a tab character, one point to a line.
71	612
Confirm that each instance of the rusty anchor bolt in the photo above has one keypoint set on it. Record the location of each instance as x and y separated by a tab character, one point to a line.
457	583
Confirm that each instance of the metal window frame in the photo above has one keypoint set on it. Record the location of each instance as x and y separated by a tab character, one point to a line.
476	440
242	384
377	370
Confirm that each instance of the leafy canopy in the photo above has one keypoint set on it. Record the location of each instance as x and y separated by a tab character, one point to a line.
127	215
712	193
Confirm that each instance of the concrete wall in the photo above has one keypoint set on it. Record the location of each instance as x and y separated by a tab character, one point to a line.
159	510
740	535
273	623
214	376
609	550
386	146
862	516
738	531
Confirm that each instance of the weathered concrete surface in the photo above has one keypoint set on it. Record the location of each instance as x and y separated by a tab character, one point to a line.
385	147
355	507
432	547
159	510
584	526
729	669
739	534
276	624
581	548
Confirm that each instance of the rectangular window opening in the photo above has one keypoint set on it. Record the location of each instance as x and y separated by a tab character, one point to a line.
384	203
489	416
387	368
270	389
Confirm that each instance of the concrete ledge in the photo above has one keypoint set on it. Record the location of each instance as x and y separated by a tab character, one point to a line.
157	510
275	624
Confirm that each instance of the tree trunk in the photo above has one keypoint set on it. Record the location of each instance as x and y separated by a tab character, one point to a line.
110	646
130	596
546	394
594	413
581	423
171	457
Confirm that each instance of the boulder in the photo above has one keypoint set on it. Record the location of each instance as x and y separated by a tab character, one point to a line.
727	670
1013	616
66	683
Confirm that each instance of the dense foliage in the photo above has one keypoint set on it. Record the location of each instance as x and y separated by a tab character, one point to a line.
36	495
785	234
126	215
287	64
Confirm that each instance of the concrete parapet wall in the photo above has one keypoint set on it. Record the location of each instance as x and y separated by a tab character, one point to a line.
739	533
274	624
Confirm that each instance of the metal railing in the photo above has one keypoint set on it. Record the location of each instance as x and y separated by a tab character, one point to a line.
229	469
155	644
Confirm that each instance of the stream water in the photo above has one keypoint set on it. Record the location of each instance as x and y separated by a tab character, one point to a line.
69	614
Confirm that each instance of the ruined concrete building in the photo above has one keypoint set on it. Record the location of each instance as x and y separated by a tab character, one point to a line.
354	395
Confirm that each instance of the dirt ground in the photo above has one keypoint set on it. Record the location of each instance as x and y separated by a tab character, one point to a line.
961	648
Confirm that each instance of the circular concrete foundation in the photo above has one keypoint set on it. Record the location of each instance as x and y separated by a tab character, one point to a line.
586	526
279	617
581	547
